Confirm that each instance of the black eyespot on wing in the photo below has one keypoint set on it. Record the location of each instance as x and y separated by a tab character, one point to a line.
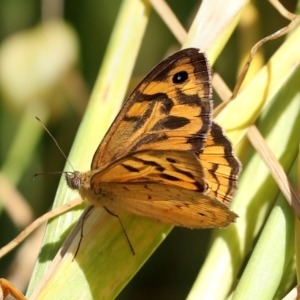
180	77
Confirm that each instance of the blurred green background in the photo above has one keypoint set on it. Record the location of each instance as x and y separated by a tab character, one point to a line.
52	78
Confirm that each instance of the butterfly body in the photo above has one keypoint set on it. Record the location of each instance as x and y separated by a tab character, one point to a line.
163	157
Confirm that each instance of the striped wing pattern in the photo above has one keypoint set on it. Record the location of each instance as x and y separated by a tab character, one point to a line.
163	157
164	111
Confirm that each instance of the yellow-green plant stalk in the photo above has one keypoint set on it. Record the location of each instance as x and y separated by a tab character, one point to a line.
270	271
106	99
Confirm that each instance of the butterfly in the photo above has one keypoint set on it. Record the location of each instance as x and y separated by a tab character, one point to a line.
164	158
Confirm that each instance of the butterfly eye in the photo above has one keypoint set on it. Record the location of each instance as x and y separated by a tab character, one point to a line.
74	180
180	77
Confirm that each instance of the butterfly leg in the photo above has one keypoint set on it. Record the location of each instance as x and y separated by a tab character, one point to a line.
123	228
84	217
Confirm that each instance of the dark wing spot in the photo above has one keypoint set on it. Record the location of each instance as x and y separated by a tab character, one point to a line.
186	173
192	100
171	160
154	164
180	77
160	169
151	163
171	122
149	138
152	97
130	168
200	187
202	214
169	177
139	121
166	106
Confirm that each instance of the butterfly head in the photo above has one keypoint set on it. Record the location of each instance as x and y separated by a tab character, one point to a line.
74	180
80	181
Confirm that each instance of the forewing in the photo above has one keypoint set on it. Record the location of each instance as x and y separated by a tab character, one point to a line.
221	166
168	204
169	109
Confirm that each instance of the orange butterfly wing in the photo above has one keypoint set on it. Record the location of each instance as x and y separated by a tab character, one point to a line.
164	185
220	165
168	204
170	109
170	167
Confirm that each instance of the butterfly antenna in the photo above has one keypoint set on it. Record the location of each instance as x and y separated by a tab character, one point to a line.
47	173
56	143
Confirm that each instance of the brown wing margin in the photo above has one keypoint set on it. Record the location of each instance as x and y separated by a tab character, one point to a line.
221	166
